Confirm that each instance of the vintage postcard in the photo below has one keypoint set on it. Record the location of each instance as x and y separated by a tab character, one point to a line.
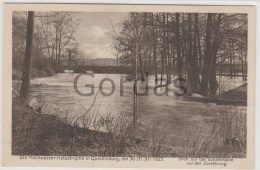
146	86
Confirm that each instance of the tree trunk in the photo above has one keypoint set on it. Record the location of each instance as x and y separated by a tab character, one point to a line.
164	57
206	66
150	58
56	45
198	40
59	48
117	59
178	42
213	84
168	49
162	61
25	87
154	51
70	59
230	60
184	49
189	57
193	73
142	67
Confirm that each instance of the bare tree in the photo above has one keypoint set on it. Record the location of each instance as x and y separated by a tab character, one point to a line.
58	30
185	44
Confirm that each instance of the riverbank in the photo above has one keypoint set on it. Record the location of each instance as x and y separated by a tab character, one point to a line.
41	67
36	73
43	134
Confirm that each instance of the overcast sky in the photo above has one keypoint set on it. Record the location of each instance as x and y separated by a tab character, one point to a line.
93	30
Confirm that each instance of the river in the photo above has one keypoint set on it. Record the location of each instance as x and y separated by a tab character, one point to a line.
175	116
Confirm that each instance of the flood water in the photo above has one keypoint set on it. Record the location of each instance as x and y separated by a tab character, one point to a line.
60	98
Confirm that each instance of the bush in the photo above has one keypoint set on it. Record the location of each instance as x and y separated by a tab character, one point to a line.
44	66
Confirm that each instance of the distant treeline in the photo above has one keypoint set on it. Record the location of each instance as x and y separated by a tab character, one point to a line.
98	69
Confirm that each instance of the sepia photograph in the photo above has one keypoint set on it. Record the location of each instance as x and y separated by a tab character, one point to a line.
131	85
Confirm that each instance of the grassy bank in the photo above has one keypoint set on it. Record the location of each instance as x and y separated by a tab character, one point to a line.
43	134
